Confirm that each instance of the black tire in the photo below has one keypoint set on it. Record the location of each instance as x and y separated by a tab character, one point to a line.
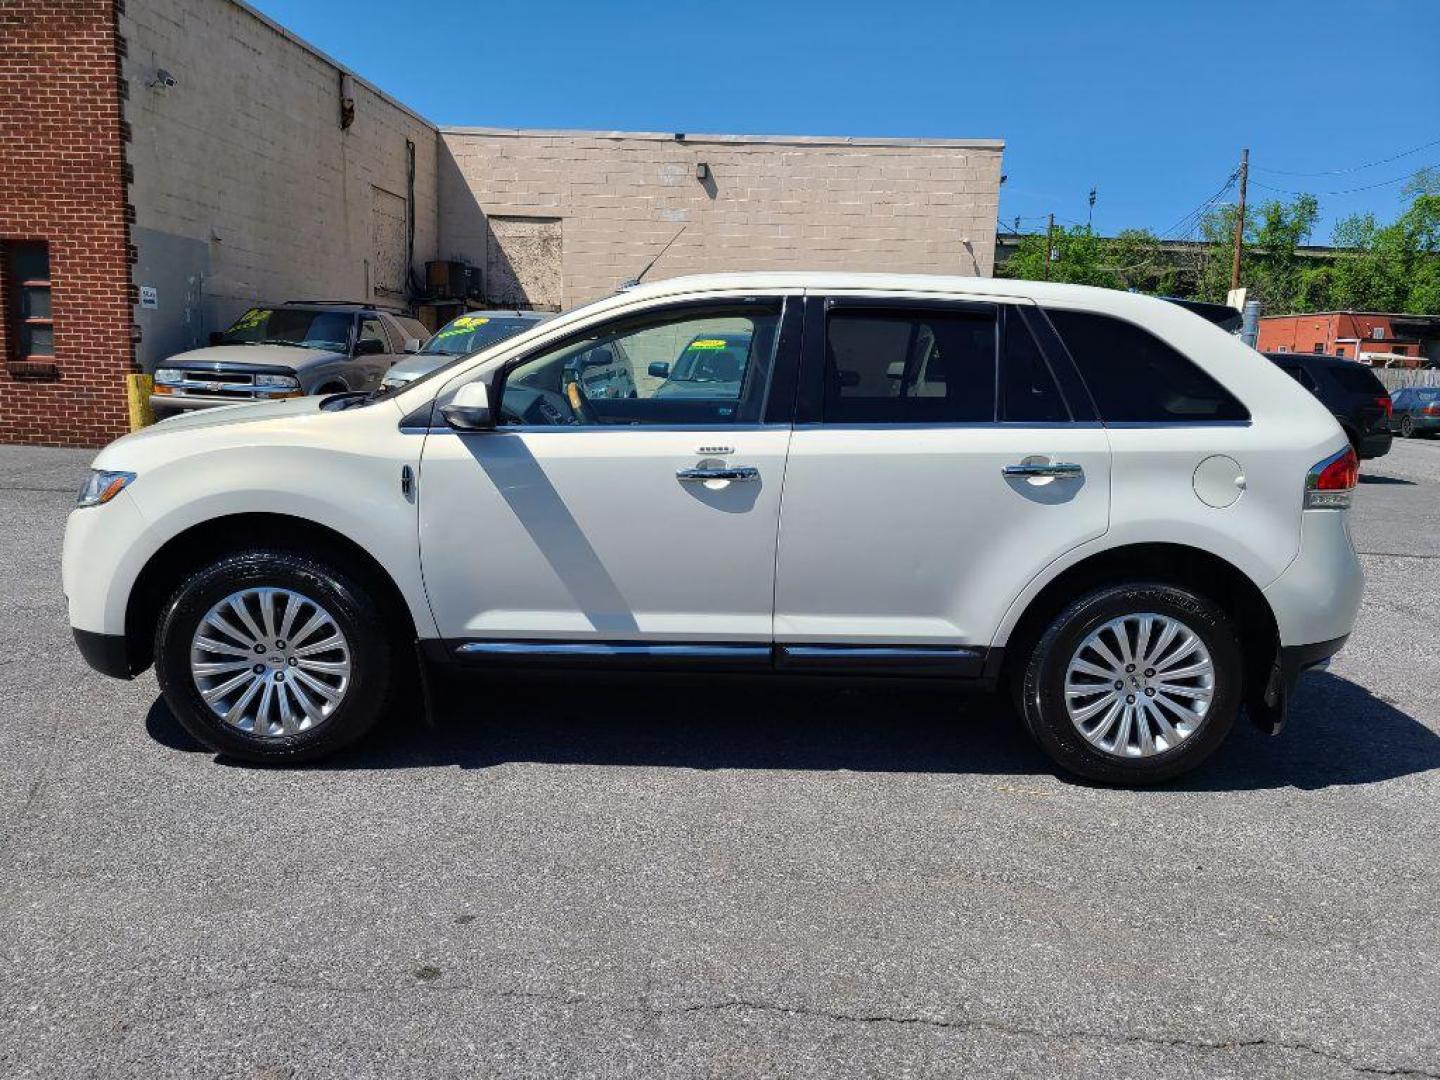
1407	427
1042	680
372	658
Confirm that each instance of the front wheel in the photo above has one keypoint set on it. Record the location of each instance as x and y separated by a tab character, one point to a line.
271	656
1133	683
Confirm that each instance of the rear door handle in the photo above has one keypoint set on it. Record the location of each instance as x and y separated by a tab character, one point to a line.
1044	468
722	472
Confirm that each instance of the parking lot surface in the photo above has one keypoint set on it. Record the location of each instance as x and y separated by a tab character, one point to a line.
719	880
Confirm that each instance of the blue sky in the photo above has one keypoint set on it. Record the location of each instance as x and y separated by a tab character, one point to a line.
1150	102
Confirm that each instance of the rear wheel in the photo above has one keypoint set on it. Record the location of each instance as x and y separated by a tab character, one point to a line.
1133	683
1407	427
270	656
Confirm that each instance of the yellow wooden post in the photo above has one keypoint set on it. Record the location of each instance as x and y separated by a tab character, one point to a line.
137	395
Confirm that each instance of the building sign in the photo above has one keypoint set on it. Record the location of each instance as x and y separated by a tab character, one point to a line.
149	296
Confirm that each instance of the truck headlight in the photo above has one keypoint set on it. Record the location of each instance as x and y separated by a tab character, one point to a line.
102	485
279	382
169	375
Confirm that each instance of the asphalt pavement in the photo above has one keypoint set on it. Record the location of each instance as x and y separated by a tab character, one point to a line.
718	880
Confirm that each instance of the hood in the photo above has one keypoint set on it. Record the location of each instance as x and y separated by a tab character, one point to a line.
216	357
149	442
419	364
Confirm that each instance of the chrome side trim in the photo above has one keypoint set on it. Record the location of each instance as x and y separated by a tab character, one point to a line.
611	649
881	651
953	661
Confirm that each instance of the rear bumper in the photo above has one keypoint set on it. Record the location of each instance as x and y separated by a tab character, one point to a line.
1296	660
1376	444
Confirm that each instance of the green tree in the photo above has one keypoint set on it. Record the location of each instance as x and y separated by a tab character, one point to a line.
1392	267
1130	260
1272	270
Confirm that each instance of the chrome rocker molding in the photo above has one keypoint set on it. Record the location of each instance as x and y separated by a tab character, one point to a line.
901	661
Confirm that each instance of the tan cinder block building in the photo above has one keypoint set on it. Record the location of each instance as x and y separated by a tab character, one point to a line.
167	164
560	217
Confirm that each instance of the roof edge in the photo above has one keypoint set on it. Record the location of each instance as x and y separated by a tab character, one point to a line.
295	39
687	138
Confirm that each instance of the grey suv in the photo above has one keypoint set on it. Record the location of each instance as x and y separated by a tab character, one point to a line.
292	350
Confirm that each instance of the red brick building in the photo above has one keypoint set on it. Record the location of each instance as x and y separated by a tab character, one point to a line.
64	224
1375	338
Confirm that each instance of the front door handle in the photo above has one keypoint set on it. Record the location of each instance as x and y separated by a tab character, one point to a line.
721	472
1043	468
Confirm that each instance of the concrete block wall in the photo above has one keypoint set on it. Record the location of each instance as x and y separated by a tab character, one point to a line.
766	203
246	186
62	182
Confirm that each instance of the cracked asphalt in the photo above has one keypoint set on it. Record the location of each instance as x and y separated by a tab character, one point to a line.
578	879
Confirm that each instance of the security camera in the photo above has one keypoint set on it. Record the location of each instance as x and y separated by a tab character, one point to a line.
163	80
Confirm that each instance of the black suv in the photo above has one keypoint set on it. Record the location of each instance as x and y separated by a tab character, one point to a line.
1348	389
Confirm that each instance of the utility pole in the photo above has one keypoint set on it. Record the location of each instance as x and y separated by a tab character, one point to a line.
1049	245
1090	218
1240	220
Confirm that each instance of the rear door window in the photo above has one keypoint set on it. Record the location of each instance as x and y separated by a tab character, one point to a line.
909	365
1135	377
1029	392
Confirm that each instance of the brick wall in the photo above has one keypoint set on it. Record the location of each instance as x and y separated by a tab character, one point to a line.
247	189
61	160
765	203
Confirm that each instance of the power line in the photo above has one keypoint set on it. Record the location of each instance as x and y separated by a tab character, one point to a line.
1353	168
1344	191
1192	219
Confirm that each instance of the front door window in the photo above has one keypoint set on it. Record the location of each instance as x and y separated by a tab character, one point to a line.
686	366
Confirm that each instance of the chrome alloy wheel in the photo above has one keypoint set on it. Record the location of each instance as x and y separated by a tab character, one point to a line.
270	662
1139	685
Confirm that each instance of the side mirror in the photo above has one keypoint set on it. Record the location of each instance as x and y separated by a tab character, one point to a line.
660	369
216	336
469	409
412	345
369	347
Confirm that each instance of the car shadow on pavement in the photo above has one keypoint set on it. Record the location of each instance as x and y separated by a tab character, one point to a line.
1339	734
1378	478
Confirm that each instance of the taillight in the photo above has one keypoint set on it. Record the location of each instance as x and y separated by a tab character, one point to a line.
1431	410
1330	483
1386	405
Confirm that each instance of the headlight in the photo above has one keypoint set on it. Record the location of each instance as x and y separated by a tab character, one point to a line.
102	485
169	375
285	382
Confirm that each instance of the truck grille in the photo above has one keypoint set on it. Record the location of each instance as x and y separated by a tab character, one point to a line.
226	384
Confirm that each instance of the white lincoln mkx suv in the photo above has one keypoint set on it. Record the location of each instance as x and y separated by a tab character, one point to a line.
1099	501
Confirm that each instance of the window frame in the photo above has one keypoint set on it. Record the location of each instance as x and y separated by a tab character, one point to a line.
19	325
810	403
777	401
1043	314
810	395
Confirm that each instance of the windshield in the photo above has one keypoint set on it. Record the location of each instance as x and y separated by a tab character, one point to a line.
291	326
471	333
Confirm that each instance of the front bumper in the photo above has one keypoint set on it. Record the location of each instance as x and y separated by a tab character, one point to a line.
106	653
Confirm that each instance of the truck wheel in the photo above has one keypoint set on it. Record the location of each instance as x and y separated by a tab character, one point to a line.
270	656
1133	683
